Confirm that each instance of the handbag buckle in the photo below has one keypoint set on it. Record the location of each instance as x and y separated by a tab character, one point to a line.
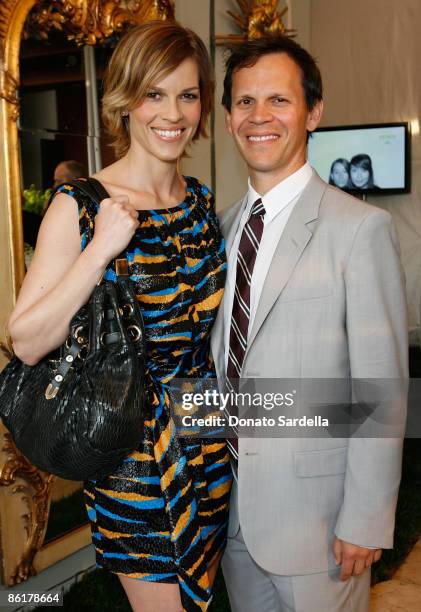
121	267
50	392
134	332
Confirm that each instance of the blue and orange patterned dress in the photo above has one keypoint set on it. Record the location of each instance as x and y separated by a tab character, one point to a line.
162	515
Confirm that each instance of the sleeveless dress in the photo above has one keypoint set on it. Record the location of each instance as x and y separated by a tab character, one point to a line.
162	515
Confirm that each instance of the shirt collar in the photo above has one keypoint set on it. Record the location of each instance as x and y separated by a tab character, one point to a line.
282	194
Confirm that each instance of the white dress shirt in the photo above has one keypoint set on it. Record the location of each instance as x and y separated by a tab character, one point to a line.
279	203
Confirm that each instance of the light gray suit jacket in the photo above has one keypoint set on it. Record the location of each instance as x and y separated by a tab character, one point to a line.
333	306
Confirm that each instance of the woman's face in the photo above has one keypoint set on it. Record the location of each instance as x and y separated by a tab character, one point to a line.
360	176
167	118
340	175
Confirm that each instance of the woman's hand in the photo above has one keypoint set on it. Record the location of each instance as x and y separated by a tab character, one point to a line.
61	277
115	224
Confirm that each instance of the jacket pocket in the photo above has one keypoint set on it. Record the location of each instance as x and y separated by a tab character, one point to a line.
308	464
306	293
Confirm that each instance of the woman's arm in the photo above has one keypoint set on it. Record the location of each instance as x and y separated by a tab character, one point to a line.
61	278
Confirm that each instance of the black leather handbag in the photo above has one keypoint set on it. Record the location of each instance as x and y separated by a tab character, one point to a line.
79	411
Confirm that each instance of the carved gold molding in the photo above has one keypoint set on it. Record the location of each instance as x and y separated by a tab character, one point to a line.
8	91
90	22
36	493
258	18
8	87
13	14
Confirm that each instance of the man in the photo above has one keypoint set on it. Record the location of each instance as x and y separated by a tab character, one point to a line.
67	170
314	291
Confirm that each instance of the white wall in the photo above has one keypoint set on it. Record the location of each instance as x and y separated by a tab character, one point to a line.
369	54
230	176
230	171
195	15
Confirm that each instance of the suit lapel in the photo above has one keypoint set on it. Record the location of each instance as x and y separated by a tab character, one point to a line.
294	240
229	226
230	223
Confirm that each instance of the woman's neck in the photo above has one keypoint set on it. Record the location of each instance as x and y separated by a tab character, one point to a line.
140	172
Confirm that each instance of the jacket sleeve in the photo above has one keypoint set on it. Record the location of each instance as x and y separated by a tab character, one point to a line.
377	332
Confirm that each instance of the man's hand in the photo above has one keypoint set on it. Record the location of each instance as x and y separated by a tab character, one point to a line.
353	559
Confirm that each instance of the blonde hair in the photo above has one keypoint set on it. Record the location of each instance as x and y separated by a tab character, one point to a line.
146	54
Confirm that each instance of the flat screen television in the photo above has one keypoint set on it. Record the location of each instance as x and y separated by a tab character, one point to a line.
372	159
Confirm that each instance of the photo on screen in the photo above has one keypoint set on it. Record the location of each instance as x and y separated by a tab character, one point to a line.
363	158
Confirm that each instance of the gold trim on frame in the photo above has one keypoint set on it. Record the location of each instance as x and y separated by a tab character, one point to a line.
90	23
12	17
34	489
257	19
8	88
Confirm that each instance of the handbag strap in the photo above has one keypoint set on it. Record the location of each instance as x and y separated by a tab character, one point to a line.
90	187
96	191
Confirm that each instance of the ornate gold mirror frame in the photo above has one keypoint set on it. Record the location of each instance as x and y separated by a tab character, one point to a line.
25	492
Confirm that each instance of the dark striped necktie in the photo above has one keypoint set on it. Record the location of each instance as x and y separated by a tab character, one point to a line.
240	316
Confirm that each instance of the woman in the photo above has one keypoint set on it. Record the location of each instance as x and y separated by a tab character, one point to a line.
339	173
160	520
361	172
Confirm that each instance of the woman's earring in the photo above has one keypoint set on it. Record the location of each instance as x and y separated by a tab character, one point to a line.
125	118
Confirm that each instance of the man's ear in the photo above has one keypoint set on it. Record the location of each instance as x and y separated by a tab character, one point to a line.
228	121
314	116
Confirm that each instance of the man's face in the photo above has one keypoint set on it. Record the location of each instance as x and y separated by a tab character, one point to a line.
61	174
269	118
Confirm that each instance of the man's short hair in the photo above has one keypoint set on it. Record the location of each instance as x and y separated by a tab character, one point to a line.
246	55
74	168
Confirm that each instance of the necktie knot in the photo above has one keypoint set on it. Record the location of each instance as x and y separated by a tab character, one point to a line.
258	208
